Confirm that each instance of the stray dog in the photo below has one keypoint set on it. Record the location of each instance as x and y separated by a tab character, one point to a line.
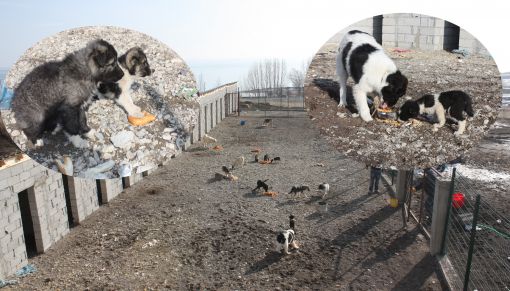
261	184
324	188
454	102
299	189
134	64
275	159
58	91
284	239
267	121
225	170
362	58
239	162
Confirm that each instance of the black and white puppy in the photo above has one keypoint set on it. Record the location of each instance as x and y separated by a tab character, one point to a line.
454	102
284	239
362	58
324	188
134	64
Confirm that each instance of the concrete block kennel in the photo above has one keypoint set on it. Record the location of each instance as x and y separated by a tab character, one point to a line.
38	206
416	31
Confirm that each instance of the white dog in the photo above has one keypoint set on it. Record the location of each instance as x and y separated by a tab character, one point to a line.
362	58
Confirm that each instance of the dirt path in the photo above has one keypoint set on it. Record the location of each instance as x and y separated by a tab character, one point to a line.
180	230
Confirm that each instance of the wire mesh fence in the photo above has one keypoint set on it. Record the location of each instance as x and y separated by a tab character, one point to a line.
272	100
477	241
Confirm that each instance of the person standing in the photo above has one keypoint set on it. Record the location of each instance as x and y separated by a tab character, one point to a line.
375	176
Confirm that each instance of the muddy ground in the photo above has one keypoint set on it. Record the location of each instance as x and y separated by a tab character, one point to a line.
179	229
406	146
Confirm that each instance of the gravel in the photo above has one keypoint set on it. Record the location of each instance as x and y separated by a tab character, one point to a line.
406	146
181	229
112	137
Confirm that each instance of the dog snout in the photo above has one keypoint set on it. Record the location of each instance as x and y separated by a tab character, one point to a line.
115	75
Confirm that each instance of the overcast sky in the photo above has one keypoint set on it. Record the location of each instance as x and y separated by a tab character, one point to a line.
220	39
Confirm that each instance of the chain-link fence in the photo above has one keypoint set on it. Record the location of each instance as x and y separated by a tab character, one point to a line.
477	240
272	102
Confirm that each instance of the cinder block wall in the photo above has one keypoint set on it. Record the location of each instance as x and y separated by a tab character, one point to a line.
83	197
110	189
213	109
471	44
46	191
47	207
414	31
407	30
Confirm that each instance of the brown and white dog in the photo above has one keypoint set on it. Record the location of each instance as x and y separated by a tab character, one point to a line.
134	64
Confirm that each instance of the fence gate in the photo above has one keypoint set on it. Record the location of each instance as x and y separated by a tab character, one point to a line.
274	102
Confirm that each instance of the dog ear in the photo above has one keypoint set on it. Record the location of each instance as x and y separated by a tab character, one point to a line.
99	57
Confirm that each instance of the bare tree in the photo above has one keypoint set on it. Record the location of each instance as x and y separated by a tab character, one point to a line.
267	74
297	76
201	83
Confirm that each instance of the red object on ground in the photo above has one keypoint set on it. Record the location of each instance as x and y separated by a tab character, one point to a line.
458	200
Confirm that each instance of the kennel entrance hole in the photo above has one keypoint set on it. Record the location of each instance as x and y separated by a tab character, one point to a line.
27	222
99	194
70	217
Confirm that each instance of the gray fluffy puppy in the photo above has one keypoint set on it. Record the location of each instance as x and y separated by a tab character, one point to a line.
57	92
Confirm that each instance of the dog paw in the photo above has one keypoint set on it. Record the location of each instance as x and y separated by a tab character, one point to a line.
366	118
78	142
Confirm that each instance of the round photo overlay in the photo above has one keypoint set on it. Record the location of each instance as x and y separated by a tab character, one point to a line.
403	90
99	102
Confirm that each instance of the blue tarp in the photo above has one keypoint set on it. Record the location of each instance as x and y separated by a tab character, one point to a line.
6	96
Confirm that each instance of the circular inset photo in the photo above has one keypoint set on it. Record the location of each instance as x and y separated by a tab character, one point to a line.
99	102
403	90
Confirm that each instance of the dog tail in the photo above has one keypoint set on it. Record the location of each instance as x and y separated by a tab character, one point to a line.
469	108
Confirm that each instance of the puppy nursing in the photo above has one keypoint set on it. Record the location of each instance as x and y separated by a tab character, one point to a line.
453	102
362	58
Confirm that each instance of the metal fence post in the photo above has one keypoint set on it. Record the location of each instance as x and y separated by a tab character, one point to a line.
447	220
238	102
471	243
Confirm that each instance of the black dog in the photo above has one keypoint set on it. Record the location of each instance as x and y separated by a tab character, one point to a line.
261	184
299	189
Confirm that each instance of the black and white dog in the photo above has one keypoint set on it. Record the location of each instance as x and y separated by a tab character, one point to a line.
134	64
284	239
453	102
324	188
362	58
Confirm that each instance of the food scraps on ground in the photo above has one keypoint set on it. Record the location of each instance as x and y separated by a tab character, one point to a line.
255	151
270	193
217	148
390	122
140	121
